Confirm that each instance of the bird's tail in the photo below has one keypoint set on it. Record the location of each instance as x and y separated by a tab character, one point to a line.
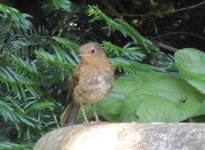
69	115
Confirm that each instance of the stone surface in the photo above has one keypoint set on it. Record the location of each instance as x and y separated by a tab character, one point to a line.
125	136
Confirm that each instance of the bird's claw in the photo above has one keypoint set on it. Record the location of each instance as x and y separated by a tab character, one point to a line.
93	122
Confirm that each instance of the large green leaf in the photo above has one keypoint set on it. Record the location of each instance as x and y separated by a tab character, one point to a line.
157	109
151	97
190	63
111	109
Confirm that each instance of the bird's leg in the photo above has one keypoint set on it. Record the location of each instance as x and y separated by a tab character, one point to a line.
97	120
84	115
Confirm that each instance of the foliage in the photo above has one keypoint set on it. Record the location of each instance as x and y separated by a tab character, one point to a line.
14	17
36	63
123	27
151	97
190	63
27	108
53	5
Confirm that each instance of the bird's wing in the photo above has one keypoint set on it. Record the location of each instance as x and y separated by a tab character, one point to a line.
69	115
73	83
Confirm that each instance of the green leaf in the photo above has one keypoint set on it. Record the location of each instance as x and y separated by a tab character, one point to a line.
157	109
14	146
54	5
69	45
66	43
151	97
123	27
20	20
89	114
190	63
18	83
41	105
110	109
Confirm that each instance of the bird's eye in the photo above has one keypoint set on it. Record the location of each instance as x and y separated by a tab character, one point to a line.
92	51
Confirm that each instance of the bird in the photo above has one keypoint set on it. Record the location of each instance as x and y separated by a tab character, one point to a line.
91	81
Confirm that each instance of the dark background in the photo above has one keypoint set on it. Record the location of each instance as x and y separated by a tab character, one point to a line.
185	27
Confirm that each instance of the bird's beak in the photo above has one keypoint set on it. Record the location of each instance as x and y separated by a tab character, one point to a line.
84	55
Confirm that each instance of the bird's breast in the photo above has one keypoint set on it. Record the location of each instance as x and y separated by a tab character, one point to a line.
93	87
98	82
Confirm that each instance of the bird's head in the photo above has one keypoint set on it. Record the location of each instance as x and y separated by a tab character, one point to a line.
91	51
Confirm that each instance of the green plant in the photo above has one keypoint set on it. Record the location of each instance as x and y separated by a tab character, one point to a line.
34	71
37	62
28	106
152	96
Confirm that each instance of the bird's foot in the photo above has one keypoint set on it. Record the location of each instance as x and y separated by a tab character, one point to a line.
93	122
97	121
86	123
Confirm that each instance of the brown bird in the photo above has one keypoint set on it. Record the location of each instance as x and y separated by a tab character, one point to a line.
90	83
